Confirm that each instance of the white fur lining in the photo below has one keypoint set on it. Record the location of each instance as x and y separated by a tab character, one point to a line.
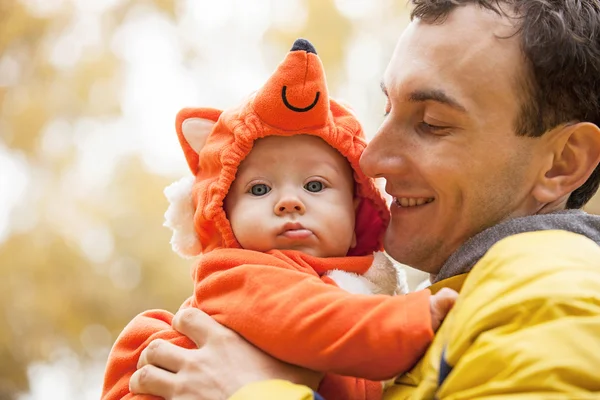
383	277
383	274
402	281
351	282
179	217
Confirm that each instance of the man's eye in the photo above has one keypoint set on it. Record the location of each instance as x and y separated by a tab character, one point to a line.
314	186
260	189
424	127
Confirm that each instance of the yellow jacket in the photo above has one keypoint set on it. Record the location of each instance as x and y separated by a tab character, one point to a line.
526	326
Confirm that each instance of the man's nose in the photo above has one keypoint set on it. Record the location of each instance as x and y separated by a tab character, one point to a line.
289	205
384	155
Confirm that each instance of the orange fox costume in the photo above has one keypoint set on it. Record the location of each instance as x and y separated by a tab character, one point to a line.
285	302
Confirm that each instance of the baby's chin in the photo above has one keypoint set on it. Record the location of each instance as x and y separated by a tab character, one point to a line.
317	252
312	249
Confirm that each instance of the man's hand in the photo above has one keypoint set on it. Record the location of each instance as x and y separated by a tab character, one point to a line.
440	304
222	364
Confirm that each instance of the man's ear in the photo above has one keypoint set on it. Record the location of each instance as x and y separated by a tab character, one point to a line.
194	125
575	153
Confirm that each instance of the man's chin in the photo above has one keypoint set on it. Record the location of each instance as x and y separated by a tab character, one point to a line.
395	251
411	257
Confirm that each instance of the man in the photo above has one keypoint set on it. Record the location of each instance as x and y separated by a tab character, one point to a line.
490	146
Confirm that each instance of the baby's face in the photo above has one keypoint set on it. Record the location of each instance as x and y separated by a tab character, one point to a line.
293	193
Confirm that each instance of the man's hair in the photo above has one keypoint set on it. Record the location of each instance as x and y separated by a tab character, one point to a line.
560	40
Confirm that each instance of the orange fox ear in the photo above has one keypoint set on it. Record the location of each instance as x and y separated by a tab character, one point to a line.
194	125
196	131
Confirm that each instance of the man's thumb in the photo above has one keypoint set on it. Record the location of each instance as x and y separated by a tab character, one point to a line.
441	303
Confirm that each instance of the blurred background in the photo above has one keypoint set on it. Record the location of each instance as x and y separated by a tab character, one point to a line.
88	94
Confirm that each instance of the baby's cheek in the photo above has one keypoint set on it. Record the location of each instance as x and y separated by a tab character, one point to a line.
255	237
342	231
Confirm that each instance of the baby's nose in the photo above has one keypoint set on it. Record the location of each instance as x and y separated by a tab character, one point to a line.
288	205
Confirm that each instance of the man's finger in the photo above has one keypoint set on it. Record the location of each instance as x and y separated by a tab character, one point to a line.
152	380
196	325
446	299
162	354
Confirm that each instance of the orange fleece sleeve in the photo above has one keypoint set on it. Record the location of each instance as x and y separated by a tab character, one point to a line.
123	357
284	309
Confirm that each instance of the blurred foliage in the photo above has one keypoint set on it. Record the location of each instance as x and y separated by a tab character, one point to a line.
79	263
81	260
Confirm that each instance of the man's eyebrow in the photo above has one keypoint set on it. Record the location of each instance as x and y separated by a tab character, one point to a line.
435	95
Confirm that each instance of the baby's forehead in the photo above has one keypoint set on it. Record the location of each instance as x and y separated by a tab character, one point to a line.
306	151
300	147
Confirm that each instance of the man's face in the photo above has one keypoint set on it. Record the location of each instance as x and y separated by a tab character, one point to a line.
293	193
448	148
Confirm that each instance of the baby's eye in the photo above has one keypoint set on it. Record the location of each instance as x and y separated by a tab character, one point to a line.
260	189
314	186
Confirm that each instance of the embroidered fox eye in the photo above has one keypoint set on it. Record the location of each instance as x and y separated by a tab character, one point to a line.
314	186
260	189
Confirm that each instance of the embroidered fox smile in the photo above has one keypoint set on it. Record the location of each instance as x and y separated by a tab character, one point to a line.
297	109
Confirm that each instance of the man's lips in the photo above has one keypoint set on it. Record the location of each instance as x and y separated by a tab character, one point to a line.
294	230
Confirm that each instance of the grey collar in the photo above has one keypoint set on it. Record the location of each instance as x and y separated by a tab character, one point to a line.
576	221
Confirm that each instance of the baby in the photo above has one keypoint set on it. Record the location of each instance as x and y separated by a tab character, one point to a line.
283	220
